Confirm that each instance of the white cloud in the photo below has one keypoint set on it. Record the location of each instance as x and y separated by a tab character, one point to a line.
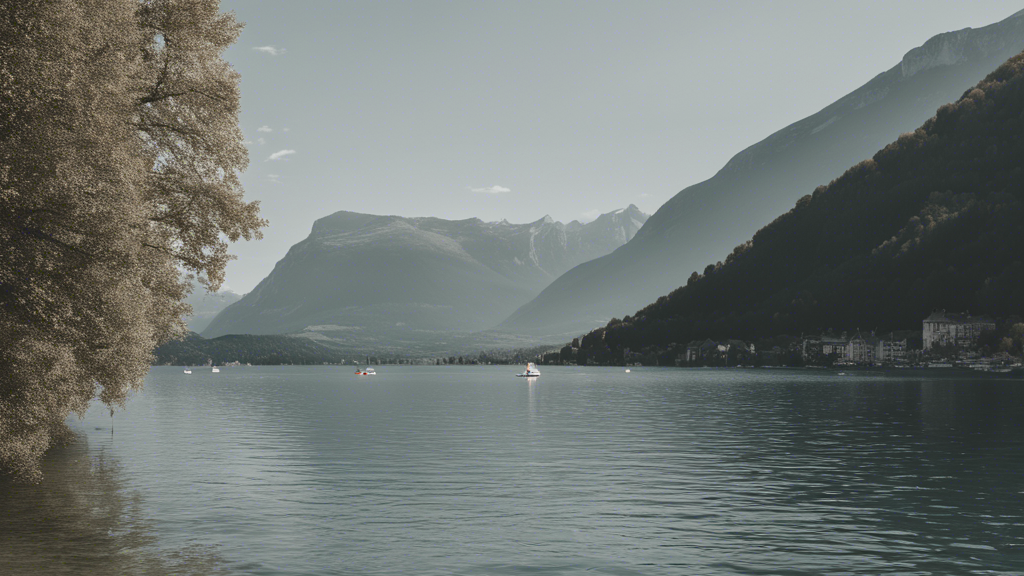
492	190
280	154
261	141
264	128
276	178
590	215
287	129
645	195
272	50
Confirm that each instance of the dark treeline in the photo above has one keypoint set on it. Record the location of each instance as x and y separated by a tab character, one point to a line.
195	350
511	356
933	221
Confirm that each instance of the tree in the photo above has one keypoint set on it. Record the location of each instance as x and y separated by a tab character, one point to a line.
119	160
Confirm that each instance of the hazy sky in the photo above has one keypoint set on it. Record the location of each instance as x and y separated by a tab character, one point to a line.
519	109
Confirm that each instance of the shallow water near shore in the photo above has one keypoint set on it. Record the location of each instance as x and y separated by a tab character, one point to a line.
469	470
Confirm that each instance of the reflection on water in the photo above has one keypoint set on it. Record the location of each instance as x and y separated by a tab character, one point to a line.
585	470
83	520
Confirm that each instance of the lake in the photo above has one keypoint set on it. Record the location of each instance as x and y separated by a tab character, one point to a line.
469	470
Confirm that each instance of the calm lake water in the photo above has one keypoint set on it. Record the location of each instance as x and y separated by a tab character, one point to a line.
468	470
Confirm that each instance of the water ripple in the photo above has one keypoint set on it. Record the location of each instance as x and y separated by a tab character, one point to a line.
470	471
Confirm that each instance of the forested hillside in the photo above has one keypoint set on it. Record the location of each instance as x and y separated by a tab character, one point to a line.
934	220
194	350
703	222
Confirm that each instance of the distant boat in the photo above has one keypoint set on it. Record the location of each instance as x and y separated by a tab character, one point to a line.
531	371
366	372
627	370
188	370
215	370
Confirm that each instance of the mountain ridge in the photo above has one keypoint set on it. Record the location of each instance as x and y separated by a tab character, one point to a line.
933	220
704	221
360	273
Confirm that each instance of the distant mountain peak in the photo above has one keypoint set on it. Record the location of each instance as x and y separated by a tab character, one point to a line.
425	275
958	46
942	50
630	211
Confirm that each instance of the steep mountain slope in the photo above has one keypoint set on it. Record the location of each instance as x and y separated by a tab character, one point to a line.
382	274
934	220
703	222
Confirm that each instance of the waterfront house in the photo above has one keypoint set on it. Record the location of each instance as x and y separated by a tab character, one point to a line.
891	350
960	330
862	349
834	346
701	350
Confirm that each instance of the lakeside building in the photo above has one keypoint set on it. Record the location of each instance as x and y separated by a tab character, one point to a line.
739	347
698	350
834	345
961	330
861	348
892	350
865	348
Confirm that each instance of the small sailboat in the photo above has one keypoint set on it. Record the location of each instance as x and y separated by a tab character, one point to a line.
215	370
366	372
531	371
188	370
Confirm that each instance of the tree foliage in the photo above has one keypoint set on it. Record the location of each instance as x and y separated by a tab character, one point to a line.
119	160
933	221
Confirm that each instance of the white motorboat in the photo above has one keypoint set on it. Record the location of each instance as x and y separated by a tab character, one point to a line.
531	371
215	370
188	370
366	372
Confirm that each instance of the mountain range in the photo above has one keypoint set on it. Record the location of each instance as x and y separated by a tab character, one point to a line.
934	220
702	223
360	277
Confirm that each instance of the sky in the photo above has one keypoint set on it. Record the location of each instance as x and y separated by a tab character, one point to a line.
522	109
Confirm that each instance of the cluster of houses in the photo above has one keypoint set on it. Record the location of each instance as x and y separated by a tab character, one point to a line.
861	348
939	329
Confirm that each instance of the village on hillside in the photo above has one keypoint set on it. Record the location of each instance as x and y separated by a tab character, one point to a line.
945	340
